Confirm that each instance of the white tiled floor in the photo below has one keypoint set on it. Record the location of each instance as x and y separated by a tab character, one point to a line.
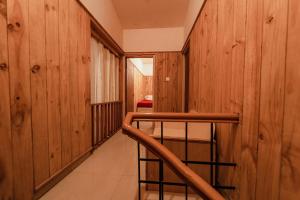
110	173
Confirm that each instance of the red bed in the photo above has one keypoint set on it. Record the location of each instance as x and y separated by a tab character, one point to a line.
144	104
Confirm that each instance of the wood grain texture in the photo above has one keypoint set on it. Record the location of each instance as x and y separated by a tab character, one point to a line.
64	60
20	98
39	90
87	36
6	166
217	47
39	74
290	160
251	99
84	83
167	94
53	84
130	86
148	83
271	99
216	71
74	101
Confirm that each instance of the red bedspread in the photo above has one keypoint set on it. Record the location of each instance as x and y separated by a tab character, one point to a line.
145	103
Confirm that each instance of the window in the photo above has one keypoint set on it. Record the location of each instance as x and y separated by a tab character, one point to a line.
104	74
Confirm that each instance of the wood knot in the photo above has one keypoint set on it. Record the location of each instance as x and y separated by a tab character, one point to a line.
10	27
47	7
83	59
269	19
35	69
235	45
52	155
18	24
77	132
3	66
18	98
261	136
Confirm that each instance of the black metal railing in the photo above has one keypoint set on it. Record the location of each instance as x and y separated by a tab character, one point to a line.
214	163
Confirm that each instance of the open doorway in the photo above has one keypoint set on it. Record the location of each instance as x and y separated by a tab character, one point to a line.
139	77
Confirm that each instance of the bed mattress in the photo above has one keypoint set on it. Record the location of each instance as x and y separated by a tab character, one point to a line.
145	104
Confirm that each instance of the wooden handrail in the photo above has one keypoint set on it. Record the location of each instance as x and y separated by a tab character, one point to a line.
184	172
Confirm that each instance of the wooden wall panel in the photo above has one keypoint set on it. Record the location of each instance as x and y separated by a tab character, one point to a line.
217	47
84	83
74	37
138	85
53	84
251	99
118	76
64	57
20	97
39	90
87	26
168	93
6	166
148	83
271	99
290	161
251	78
203	57
130	86
44	61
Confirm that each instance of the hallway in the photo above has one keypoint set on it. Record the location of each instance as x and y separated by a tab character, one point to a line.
100	176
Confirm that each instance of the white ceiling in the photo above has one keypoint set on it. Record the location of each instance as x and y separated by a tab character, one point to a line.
137	14
144	65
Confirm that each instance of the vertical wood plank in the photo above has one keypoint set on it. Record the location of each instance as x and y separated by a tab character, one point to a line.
38	66
74	60
6	166
251	99
225	41
118	77
53	84
290	161
64	59
19	72
130	86
87	55
271	98
167	64
237	90
81	81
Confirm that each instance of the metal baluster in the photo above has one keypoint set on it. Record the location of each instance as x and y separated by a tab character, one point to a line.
186	156
139	166
217	159
211	153
161	165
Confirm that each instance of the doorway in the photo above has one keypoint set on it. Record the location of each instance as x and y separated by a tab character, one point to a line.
139	84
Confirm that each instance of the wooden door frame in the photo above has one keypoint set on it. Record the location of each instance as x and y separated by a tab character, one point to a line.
186	55
136	55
